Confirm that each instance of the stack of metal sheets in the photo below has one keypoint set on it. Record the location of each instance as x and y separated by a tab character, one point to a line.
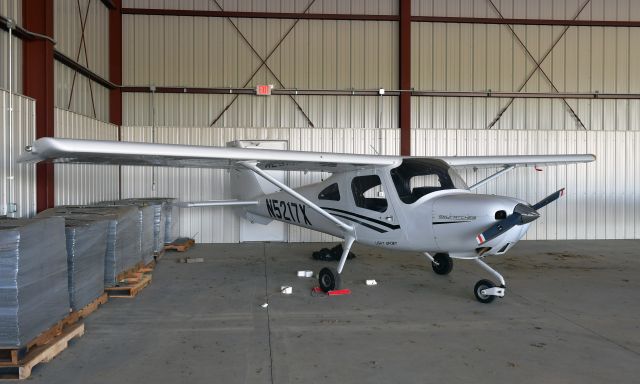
170	213
86	249
123	234
165	217
148	211
33	278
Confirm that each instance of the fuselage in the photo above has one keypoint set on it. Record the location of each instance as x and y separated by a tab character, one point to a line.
407	208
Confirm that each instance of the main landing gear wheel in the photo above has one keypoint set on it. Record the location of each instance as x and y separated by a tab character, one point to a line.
442	264
481	286
329	279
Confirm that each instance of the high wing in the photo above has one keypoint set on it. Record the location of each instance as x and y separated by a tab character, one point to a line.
191	156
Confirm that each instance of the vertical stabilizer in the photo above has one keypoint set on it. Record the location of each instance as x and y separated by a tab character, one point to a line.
246	184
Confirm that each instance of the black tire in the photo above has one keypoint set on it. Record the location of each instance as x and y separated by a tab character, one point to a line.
443	264
329	279
480	285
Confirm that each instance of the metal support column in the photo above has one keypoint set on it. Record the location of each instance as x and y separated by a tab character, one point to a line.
405	77
37	64
115	64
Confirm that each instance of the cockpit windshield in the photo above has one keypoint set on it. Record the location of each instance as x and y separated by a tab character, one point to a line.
417	177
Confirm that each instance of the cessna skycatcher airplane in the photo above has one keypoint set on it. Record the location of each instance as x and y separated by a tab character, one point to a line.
416	204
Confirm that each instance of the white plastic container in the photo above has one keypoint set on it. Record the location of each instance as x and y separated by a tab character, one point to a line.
287	290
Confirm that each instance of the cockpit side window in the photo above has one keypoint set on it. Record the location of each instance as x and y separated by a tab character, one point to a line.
332	192
368	193
415	178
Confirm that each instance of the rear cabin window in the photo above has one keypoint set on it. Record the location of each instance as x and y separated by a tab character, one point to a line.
368	193
332	192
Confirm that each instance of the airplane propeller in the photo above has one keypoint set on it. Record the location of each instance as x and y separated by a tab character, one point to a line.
522	214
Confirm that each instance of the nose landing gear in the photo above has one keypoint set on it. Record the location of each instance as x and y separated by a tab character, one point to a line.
485	290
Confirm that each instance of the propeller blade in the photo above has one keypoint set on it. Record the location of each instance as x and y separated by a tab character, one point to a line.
549	199
522	214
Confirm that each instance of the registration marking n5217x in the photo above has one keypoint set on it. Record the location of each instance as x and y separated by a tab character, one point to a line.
288	211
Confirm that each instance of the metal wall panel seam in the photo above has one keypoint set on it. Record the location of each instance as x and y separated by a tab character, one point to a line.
23	134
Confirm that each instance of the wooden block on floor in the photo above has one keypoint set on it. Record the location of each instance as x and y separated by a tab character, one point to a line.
129	290
181	245
191	260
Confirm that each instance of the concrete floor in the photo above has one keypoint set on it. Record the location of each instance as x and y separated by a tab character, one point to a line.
571	315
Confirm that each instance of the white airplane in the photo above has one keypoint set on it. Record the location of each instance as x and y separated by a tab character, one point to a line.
403	203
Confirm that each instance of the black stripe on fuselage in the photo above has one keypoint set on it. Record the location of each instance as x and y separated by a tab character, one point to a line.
450	222
361	223
390	226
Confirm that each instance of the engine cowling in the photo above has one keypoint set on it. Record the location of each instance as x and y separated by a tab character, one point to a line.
457	219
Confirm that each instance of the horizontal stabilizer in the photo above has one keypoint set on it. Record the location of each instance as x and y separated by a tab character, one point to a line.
214	203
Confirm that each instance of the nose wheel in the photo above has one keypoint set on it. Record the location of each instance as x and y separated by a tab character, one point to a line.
486	291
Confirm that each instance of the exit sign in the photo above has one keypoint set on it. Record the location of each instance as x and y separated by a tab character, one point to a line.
264	90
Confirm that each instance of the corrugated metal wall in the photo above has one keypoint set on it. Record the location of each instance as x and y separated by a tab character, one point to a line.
85	183
221	224
11	9
477	57
74	91
602	200
530	9
203	52
22	189
480	57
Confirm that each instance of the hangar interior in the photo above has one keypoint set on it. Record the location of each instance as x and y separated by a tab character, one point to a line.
377	77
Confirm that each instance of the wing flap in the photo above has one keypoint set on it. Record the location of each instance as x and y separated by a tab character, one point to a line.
518	161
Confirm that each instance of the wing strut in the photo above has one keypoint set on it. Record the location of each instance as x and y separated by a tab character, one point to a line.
252	166
488	179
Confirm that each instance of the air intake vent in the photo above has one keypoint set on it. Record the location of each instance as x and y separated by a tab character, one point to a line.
501	215
503	249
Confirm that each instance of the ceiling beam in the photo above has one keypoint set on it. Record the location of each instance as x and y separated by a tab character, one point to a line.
339	16
257	15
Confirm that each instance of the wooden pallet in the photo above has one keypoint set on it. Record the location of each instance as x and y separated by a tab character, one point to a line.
180	245
14	356
130	288
21	369
75	316
149	267
133	272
